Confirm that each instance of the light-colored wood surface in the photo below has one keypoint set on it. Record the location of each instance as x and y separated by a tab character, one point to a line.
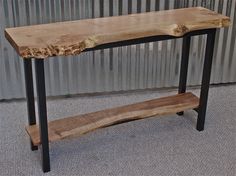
78	125
70	38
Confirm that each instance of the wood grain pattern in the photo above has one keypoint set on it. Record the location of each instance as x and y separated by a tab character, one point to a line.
78	125
72	37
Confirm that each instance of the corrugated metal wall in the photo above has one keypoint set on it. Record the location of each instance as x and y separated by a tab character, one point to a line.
134	67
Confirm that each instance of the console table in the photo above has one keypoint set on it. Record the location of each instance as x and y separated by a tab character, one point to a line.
39	42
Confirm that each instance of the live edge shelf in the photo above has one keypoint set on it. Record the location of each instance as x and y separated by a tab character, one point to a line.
81	124
39	42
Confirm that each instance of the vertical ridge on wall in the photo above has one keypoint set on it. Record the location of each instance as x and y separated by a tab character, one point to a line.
150	65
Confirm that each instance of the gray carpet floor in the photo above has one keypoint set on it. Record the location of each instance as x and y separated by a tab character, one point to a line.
167	145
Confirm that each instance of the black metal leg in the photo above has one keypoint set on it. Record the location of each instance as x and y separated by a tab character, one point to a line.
30	95
184	66
42	109
206	79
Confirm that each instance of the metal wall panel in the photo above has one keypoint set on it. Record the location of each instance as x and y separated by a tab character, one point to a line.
135	67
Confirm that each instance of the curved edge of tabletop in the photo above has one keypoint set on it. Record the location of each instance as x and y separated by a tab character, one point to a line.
92	40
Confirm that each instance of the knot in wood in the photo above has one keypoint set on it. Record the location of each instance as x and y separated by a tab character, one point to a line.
180	29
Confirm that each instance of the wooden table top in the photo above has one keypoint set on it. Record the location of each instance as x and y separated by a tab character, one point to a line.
72	37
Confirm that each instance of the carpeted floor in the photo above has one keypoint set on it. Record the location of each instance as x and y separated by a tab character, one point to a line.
166	146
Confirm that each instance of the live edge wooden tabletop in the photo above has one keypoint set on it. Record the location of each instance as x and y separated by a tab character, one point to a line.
72	37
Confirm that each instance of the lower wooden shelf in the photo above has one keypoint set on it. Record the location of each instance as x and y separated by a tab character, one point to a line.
81	124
